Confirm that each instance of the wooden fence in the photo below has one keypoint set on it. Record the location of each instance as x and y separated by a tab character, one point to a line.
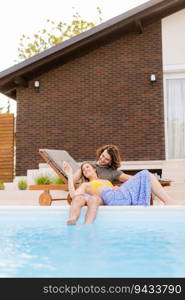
6	147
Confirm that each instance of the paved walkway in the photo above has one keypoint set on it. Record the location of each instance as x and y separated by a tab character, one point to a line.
176	191
27	198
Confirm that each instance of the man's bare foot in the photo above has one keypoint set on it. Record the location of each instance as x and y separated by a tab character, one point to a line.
71	222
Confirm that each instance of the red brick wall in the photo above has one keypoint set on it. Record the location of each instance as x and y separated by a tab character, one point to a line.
101	97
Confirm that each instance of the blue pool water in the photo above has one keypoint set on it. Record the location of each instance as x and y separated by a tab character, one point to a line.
143	242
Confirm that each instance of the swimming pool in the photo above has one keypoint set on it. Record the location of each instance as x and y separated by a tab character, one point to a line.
122	242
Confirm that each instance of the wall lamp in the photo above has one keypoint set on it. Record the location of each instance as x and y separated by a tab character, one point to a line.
37	85
153	78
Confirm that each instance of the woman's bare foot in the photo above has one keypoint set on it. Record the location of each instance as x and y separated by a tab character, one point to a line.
71	222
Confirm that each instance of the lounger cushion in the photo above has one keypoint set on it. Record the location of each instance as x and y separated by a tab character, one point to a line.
57	157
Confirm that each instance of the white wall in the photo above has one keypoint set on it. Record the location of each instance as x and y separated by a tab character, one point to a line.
173	40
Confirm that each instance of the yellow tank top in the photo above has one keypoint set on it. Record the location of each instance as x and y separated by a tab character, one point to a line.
96	184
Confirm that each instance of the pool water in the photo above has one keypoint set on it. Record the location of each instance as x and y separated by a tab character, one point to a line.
122	242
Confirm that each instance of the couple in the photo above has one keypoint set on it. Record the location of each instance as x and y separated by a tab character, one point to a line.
97	186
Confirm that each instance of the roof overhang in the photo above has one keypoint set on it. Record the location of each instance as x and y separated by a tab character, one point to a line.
133	20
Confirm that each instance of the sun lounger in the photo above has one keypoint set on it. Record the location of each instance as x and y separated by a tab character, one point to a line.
55	158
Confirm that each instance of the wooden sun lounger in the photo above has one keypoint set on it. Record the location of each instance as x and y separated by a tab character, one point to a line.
47	154
45	197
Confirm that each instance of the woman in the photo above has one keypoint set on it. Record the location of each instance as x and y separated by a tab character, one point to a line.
107	164
135	191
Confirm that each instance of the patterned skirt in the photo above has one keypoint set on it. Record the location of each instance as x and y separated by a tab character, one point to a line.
135	191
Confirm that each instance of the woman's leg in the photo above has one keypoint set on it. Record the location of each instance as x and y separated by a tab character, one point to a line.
75	209
92	205
160	192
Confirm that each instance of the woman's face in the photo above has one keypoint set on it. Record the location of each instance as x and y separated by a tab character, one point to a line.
88	170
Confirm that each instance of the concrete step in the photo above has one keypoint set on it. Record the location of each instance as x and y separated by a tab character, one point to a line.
176	195
14	185
174	170
176	186
43	165
33	174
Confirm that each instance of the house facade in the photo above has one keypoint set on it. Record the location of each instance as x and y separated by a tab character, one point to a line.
95	89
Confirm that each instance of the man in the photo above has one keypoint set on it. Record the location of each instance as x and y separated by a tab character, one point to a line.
108	160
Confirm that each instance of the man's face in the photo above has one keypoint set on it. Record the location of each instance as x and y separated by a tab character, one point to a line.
104	159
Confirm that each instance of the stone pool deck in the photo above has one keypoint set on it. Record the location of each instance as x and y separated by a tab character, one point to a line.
29	198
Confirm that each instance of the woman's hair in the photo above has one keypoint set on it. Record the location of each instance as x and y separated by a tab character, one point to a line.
83	178
113	151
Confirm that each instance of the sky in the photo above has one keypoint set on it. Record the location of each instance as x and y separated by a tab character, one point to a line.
28	17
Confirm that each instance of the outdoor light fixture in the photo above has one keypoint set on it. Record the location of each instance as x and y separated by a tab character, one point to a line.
37	85
152	78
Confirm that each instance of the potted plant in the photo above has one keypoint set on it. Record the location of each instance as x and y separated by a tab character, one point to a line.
43	179
58	180
22	184
2	186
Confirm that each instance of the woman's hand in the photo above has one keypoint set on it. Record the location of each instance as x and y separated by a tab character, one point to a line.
69	172
67	169
115	187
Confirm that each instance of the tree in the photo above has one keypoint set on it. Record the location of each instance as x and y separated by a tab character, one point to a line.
56	34
7	108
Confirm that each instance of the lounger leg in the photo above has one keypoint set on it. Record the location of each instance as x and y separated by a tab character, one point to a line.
152	199
45	198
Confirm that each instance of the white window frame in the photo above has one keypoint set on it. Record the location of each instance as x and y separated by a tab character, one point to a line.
170	72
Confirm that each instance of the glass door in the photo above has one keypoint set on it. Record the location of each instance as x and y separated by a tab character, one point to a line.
175	118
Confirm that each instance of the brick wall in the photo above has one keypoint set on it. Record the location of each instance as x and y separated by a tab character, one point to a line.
101	97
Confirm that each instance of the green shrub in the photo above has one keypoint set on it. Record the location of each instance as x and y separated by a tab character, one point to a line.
58	180
43	179
2	186
22	184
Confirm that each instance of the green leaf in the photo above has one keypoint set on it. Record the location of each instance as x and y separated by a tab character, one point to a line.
57	33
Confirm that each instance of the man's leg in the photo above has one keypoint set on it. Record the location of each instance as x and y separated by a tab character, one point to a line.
92	205
75	209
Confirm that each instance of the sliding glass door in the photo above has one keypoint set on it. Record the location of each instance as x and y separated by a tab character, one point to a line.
175	117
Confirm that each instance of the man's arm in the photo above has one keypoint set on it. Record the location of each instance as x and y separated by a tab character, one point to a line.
124	177
81	189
